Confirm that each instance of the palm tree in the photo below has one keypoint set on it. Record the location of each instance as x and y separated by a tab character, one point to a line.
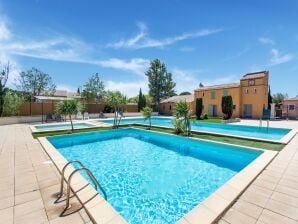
147	114
181	112
69	107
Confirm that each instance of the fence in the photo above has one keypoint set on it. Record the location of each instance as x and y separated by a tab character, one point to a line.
32	109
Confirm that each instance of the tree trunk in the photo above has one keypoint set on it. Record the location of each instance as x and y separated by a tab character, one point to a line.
71	123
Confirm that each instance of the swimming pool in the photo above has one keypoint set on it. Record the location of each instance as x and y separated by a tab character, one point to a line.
151	177
263	133
58	127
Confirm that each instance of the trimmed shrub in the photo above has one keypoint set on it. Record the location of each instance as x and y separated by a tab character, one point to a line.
199	108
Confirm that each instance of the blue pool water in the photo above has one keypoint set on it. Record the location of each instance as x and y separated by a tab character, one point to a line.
55	127
150	177
227	129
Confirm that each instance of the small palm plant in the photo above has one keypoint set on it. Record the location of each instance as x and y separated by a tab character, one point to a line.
182	119
147	114
68	108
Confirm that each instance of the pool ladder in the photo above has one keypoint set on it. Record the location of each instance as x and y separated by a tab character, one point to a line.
68	181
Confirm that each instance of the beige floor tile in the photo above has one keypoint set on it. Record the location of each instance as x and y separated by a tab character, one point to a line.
6	202
235	217
6	215
34	217
269	217
28	207
25	197
248	208
282	209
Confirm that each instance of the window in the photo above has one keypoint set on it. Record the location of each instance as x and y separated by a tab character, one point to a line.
255	90
170	107
251	82
234	107
291	107
247	91
213	95
202	93
225	92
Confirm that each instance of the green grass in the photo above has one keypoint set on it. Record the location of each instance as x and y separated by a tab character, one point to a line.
209	120
230	140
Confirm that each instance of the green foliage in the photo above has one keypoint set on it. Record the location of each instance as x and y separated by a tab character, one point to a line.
147	114
279	97
35	82
160	81
133	99
181	112
12	103
184	93
115	99
178	126
3	79
227	106
141	101
94	89
269	98
68	108
199	107
205	116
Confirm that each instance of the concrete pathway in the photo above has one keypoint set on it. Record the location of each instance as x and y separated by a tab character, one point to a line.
28	181
273	196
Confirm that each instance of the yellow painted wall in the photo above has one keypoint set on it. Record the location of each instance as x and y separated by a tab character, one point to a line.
257	96
168	108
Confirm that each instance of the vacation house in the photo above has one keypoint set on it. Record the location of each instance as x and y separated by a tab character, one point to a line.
166	106
290	108
250	96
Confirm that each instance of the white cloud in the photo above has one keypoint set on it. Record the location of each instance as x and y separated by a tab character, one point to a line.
141	39
187	49
189	80
66	87
130	89
266	40
4	31
278	58
135	65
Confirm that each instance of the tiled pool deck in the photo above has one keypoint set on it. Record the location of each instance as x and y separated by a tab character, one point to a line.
28	182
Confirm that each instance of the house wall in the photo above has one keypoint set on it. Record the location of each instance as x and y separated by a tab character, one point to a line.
168	108
257	96
207	99
286	112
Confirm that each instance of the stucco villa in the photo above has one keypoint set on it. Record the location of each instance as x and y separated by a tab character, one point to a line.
250	96
290	108
166	106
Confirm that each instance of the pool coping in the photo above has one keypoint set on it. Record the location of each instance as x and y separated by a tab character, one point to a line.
93	125
284	140
208	211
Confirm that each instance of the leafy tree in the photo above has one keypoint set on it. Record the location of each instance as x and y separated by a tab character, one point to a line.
144	101
12	103
94	89
68	108
279	97
181	112
269	98
115	99
141	101
36	82
160	83
227	106
185	93
3	80
133	99
147	114
199	107
78	91
201	85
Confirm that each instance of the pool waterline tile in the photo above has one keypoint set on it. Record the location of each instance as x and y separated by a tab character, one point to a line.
233	186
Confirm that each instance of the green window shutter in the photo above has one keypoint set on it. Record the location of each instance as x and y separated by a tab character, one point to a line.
225	92
213	95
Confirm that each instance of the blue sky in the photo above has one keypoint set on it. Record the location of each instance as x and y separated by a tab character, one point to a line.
212	42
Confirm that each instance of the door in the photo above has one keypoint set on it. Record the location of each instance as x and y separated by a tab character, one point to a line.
247	112
212	110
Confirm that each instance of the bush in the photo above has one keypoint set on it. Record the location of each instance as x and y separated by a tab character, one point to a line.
11	105
199	108
205	116
227	106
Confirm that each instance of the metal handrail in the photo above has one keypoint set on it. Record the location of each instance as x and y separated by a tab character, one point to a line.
60	194
90	175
